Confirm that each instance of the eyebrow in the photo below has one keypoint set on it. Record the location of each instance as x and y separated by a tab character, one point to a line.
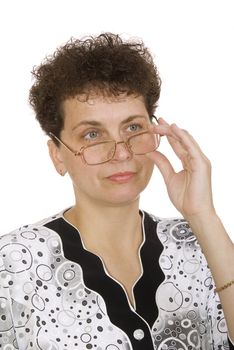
96	123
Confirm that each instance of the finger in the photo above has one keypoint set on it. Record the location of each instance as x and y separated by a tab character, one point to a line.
181	142
171	131
162	121
176	142
163	164
163	130
187	140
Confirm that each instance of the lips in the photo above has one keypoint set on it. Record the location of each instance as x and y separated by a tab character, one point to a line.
122	177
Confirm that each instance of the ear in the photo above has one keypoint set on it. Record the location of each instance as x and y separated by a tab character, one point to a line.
56	157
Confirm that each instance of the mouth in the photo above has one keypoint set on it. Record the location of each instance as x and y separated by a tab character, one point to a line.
121	177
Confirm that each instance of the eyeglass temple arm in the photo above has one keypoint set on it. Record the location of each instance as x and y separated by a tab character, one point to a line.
76	153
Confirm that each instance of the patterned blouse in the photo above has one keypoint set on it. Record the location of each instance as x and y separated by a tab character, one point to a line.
56	295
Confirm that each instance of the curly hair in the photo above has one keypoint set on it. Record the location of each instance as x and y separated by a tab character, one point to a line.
105	64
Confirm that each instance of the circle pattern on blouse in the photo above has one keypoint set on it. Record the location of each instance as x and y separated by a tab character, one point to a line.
52	307
186	298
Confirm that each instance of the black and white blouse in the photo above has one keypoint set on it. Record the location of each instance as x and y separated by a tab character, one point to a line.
56	295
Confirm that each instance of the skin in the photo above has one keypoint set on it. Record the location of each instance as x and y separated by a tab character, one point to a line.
190	192
95	193
91	183
117	240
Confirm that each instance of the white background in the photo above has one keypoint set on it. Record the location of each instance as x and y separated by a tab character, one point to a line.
192	42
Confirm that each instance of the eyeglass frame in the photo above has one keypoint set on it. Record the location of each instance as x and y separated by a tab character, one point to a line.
126	142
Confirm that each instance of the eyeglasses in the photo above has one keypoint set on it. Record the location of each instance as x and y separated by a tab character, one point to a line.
101	152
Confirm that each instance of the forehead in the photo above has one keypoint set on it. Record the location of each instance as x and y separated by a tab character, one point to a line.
101	108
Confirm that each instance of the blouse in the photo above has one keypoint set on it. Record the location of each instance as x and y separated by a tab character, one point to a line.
56	295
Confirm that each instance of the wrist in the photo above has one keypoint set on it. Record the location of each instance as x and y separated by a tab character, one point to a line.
201	221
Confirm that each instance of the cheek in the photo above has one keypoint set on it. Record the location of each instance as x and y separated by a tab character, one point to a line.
147	166
82	175
75	168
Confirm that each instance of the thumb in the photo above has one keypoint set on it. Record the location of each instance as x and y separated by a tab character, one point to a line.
163	164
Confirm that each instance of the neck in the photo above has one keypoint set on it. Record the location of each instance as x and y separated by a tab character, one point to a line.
107	225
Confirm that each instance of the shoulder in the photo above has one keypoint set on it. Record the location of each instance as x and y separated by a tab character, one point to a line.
182	254
172	230
160	223
22	249
27	236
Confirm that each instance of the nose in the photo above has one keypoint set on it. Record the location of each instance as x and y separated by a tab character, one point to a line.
122	152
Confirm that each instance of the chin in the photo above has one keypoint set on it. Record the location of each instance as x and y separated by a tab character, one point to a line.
123	196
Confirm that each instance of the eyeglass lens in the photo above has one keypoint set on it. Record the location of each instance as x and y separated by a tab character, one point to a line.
104	151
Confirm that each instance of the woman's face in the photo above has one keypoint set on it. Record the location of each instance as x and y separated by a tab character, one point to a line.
123	178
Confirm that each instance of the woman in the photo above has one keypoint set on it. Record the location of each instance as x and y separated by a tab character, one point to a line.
104	274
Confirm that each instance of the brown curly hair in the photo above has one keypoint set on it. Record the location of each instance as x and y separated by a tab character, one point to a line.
105	64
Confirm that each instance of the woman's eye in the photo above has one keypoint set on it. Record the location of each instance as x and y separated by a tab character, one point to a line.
91	135
134	127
